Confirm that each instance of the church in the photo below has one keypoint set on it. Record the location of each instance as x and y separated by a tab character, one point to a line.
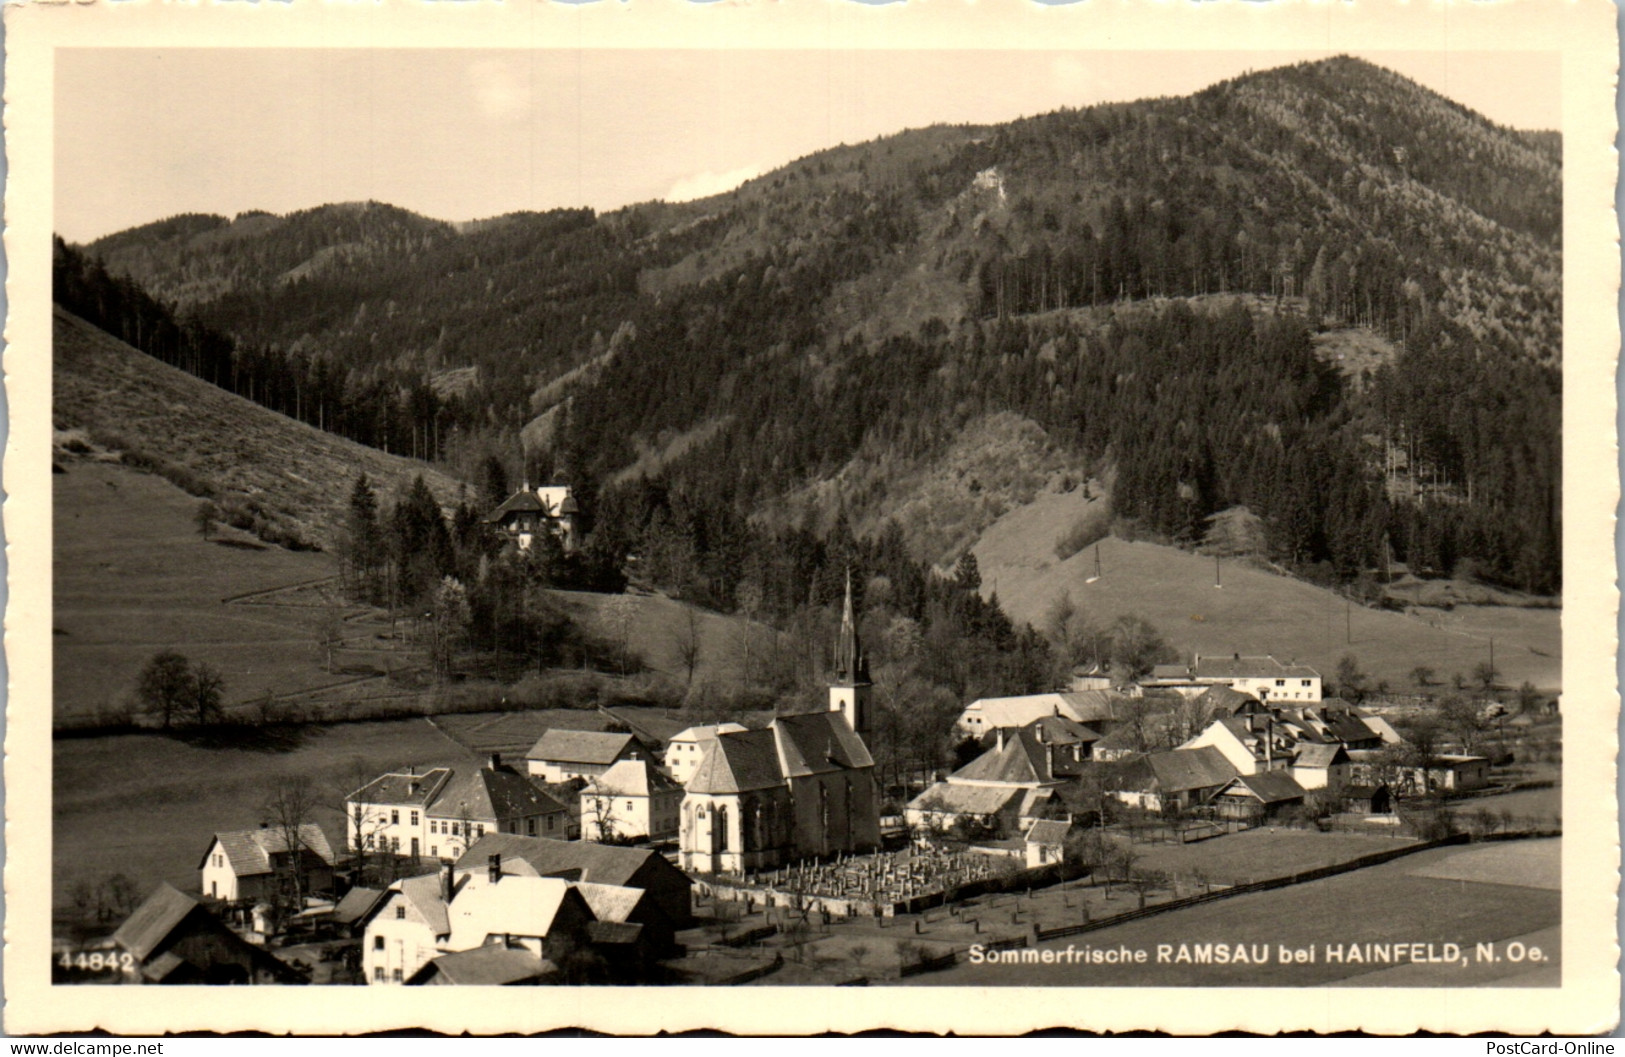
802	788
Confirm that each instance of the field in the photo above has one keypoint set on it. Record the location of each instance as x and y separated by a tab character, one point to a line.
1255	611
1496	893
147	805
132	577
296	473
1256	854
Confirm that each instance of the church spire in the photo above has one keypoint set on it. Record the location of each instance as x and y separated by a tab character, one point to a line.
851	666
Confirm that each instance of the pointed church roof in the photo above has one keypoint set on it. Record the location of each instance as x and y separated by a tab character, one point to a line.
851	666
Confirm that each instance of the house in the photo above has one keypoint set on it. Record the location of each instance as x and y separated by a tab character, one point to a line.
1135	738
494	966
1337	721
440	812
173	939
560	755
1046	842
684	749
1321	765
355	907
1251	743
1368	799
1220	701
254	865
1067	744
495	799
631	799
1173	781
1095	676
605	864
1013	780
1445	773
523	516
425	918
802	788
991	713
1262	677
1255	797
624	905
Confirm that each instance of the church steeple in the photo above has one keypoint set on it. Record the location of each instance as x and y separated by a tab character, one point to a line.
849	690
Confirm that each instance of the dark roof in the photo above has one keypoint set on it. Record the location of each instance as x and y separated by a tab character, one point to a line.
249	851
493	793
1272	787
545	857
1048	831
523	500
737	762
615	932
579	746
1224	700
1346	727
1319	754
415	790
357	904
1022	761
817	743
152	922
489	966
1184	769
1059	730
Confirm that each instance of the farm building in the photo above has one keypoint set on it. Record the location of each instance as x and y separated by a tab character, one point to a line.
1009	782
992	713
560	755
1255	797
1368	799
173	939
589	863
252	865
1173	781
1447	773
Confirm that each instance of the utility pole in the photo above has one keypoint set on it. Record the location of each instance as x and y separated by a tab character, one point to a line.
1218	579
1348	619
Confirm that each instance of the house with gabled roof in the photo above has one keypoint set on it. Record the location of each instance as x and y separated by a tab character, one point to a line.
250	865
684	749
440	813
493	966
588	863
1173	781
1011	781
1045	841
1262	677
1252	743
988	714
560	755
802	788
523	516
630	800
1322	765
1253	797
172	938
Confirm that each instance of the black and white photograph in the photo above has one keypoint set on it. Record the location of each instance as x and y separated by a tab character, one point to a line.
818	512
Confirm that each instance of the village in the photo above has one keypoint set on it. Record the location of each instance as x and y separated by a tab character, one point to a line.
780	854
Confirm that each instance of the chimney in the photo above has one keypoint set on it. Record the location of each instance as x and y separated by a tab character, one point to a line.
1269	741
999	736
447	885
496	761
493	867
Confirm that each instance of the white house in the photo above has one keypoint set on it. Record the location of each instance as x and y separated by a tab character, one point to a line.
441	812
407	928
1252	744
560	755
684	749
1263	677
246	865
631	799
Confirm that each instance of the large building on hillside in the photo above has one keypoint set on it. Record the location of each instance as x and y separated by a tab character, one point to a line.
529	512
1263	677
802	788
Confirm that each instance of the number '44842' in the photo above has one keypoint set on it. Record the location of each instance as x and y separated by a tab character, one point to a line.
97	961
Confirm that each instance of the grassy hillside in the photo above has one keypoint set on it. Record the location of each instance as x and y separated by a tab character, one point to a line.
293	475
1254	611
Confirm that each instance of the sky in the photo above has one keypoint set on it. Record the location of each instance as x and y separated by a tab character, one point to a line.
460	134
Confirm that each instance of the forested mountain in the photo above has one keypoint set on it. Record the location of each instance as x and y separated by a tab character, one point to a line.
867	303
